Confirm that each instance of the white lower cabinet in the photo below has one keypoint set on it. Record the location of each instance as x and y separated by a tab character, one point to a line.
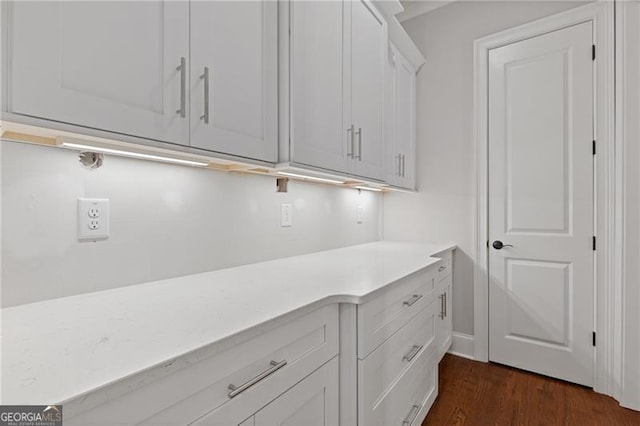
392	379
312	402
376	362
403	334
444	324
231	385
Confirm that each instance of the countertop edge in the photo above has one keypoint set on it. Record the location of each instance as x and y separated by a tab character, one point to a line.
87	399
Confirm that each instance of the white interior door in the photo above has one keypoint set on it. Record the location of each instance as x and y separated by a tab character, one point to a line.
234	77
541	293
102	64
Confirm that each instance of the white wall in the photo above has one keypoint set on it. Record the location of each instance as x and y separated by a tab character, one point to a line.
166	221
443	208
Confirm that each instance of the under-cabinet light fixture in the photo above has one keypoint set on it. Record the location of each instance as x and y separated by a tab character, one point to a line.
132	154
368	188
313	178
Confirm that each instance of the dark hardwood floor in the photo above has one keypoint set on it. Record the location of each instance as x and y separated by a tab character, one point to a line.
475	393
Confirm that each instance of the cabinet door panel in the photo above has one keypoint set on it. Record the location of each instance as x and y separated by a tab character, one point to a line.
406	92
367	89
105	65
312	402
318	132
237	42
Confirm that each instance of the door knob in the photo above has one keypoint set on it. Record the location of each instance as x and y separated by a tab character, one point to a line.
497	244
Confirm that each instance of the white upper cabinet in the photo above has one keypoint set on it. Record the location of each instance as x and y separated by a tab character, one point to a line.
367	88
115	66
318	126
299	83
234	77
401	125
336	82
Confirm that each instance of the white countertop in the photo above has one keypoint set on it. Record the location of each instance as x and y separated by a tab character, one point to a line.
59	350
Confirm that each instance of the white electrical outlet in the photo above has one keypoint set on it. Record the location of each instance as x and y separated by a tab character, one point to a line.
93	219
286	216
360	214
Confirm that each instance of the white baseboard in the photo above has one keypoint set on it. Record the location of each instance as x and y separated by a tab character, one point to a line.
462	345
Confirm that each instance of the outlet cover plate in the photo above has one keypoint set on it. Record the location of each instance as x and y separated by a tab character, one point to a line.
93	219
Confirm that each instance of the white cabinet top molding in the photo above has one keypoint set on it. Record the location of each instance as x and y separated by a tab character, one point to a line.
63	350
397	34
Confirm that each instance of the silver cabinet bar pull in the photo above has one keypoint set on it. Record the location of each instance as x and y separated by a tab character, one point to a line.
441	297
412	415
359	133
403	166
445	304
205	77
412	300
237	390
183	87
350	146
399	173
412	353
442	268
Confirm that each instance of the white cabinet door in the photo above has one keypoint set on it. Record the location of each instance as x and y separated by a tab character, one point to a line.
367	87
312	402
234	81
318	110
102	64
391	112
405	120
400	120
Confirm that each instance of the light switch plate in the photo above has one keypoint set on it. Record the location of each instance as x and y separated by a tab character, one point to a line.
286	216
93	219
359	214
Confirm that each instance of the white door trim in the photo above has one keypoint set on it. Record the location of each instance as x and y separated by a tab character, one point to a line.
607	366
627	390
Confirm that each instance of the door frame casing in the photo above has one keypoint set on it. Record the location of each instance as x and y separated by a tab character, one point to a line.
607	365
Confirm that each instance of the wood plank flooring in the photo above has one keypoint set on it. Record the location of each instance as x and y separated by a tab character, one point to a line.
475	393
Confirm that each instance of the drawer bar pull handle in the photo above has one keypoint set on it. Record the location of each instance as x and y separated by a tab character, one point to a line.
237	390
442	268
413	300
183	86
445	304
415	410
205	77
412	353
350	148
442	306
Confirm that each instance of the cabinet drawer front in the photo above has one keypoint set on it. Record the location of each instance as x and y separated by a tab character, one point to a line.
383	316
444	323
297	347
444	267
406	403
382	368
